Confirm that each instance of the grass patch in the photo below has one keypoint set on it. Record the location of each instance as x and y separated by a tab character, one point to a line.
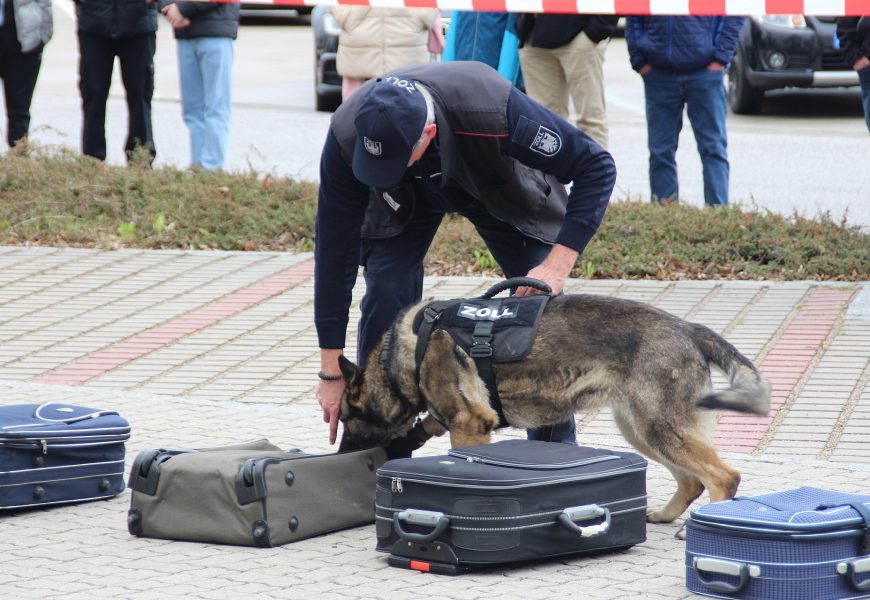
59	198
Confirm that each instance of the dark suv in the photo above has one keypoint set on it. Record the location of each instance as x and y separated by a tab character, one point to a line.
779	51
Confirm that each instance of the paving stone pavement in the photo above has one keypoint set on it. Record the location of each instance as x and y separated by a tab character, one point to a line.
206	348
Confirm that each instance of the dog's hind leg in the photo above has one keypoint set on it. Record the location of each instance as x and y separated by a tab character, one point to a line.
696	465
689	487
698	457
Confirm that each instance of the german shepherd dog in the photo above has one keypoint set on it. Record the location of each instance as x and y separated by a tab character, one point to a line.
650	367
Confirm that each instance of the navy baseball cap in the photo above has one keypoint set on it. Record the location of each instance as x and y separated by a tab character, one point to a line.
389	121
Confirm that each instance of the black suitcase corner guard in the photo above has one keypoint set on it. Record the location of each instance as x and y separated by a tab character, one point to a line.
145	472
251	480
430	553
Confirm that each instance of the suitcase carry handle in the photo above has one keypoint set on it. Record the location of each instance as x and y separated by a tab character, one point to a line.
69	420
517	282
569	516
429	518
850	569
725	567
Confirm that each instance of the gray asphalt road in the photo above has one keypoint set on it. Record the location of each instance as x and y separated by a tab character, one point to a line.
809	152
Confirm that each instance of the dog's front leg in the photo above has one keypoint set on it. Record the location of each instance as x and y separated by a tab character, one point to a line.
449	380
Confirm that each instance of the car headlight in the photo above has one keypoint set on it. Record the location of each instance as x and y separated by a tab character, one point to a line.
787	21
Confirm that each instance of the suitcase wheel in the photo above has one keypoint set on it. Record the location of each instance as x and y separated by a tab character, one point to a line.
261	535
134	522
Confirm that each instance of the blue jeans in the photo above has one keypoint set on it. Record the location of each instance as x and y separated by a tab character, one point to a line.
864	76
393	271
206	66
703	94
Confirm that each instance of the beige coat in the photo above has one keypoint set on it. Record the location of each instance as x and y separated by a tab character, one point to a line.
375	40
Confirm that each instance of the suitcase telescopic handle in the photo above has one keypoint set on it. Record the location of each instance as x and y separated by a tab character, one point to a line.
426	518
569	517
850	570
517	282
742	571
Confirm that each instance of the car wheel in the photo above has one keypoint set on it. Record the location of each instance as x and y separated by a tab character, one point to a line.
326	98
327	102
324	101
742	97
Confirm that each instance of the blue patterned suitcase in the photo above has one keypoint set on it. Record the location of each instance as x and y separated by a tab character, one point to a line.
799	544
57	453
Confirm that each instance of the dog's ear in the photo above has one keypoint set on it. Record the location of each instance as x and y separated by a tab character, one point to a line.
349	370
353	383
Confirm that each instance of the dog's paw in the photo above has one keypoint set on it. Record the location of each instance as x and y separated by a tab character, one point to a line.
658	514
681	533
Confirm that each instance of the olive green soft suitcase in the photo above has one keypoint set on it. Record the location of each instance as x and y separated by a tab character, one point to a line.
250	495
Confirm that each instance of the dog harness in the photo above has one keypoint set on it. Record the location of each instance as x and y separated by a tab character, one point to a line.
491	330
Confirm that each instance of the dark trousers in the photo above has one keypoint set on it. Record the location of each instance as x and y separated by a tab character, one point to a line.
96	60
864	78
393	271
19	72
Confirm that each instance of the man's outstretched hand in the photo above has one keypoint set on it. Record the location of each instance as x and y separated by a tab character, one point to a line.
329	396
553	271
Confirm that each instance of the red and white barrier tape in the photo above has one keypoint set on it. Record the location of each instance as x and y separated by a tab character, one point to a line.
619	7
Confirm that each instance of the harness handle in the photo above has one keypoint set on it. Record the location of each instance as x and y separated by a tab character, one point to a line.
517	282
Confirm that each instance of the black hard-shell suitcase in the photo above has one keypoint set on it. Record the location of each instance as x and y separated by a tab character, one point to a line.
798	544
55	453
508	501
252	494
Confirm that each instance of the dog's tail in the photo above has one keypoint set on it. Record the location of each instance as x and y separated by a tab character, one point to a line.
749	392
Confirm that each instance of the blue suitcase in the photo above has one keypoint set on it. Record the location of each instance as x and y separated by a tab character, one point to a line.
804	543
58	453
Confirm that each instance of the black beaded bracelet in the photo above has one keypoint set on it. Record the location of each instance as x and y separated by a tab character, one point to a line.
326	377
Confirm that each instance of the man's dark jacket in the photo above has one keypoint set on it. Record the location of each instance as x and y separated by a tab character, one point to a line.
854	36
482	125
681	44
555	31
207	19
524	197
116	18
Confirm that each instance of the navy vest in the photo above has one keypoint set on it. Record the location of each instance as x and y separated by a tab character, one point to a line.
471	113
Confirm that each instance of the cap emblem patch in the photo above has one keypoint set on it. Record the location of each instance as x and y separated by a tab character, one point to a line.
372	147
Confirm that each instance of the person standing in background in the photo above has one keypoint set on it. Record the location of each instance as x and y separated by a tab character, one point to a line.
487	37
25	27
853	33
205	32
562	56
375	40
126	29
682	61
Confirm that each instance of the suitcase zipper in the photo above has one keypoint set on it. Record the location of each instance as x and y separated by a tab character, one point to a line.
44	446
397	482
489	460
